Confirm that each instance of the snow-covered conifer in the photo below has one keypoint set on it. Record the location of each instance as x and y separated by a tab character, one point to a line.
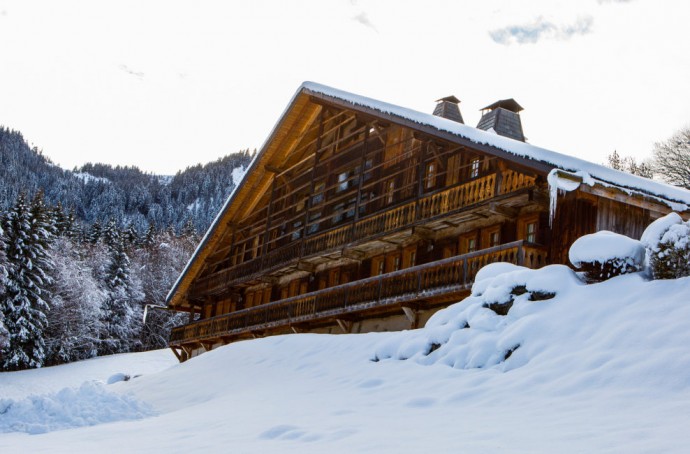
4	335
120	308
29	232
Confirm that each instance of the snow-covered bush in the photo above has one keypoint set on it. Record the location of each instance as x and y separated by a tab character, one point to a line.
603	255
471	333
667	241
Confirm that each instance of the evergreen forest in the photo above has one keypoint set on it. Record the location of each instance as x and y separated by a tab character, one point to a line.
84	251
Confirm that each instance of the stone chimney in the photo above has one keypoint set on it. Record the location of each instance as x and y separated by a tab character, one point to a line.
448	108
504	118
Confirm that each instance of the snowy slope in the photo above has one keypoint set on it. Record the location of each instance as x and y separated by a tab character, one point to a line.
600	368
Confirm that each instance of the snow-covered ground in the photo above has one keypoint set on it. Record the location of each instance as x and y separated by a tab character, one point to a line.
598	368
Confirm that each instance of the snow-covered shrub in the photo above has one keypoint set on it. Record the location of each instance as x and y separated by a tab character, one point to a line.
603	255
471	333
667	241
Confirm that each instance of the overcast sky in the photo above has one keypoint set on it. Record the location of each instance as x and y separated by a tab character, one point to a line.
168	84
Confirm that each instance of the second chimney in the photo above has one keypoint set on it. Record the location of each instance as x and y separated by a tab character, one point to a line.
504	118
448	108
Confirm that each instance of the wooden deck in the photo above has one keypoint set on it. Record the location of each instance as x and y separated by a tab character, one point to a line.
438	281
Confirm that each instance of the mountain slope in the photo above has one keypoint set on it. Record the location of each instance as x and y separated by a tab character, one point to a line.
99	192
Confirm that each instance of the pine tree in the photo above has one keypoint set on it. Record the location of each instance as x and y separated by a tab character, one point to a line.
4	334
95	233
28	232
149	237
130	235
111	234
189	230
119	311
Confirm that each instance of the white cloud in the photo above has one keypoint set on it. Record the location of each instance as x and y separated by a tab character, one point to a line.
127	70
541	29
363	19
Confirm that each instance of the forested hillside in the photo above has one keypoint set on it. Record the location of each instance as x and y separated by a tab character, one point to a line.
100	192
83	252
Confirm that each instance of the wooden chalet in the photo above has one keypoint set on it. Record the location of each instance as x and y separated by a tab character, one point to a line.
357	215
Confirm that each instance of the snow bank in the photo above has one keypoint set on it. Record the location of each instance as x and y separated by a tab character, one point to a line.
88	405
599	368
604	246
472	334
49	380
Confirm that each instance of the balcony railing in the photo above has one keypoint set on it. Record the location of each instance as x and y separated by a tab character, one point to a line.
391	220
447	276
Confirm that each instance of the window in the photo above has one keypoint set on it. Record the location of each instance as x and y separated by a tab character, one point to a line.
528	228
474	168
468	242
317	198
393	262
410	257
296	230
377	266
494	239
531	231
343	184
490	236
471	244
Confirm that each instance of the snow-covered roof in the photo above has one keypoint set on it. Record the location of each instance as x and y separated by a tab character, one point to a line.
679	198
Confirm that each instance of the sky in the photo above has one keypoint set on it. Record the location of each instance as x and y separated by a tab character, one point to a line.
166	84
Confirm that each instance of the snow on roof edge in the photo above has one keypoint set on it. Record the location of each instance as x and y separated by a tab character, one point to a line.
610	177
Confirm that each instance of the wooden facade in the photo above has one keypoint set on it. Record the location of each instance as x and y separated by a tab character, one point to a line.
351	219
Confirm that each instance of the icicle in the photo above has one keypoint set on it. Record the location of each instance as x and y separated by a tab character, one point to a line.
553	195
558	184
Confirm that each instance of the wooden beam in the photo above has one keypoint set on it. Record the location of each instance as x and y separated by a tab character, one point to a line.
306	266
412	315
345	325
272	169
502	210
423	233
353	254
177	354
307	125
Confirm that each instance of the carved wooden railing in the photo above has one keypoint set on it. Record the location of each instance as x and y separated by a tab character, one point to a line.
458	197
433	279
396	218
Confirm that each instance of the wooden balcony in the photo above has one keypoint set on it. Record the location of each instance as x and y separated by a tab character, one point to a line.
393	219
441	280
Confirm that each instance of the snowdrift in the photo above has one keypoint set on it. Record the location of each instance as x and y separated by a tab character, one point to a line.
532	361
593	368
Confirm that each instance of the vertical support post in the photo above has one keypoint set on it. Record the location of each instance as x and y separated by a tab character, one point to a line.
420	179
232	245
269	212
312	183
362	164
521	253
464	271
500	167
